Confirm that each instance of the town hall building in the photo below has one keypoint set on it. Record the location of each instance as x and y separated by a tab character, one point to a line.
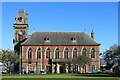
52	52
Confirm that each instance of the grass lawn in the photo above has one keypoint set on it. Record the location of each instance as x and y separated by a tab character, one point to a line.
60	77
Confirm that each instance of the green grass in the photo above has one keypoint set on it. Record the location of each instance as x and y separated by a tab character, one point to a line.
61	77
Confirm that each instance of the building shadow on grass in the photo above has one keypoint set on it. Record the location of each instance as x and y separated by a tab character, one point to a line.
97	75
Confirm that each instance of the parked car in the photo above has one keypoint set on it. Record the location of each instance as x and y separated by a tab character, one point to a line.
77	72
42	72
4	72
30	72
116	69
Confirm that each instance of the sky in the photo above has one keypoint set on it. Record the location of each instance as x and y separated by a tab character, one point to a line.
60	0
102	17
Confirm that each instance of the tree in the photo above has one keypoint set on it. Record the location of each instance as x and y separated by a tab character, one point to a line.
112	56
81	60
9	59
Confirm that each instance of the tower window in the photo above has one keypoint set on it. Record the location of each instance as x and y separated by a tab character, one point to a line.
20	19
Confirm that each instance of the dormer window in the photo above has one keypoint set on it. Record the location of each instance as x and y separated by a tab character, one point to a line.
46	39
73	39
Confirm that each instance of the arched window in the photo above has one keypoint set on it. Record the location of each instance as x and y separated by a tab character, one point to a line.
30	53
39	53
84	51
93	53
48	53
66	53
57	51
75	53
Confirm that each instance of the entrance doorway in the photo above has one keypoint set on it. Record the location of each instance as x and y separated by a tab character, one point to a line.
62	68
48	69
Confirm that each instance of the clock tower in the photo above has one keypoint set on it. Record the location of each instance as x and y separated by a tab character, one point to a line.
20	27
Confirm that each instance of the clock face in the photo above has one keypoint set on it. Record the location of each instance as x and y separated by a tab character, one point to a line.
20	33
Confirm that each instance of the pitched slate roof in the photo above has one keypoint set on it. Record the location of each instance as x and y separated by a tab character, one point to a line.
60	38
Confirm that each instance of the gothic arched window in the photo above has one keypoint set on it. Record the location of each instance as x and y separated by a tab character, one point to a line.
75	53
84	51
30	53
93	53
39	53
48	53
57	51
66	53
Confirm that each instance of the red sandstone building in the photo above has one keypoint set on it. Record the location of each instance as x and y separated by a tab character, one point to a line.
51	51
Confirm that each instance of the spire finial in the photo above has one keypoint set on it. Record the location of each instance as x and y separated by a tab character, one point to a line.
92	34
26	12
92	31
84	30
34	29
